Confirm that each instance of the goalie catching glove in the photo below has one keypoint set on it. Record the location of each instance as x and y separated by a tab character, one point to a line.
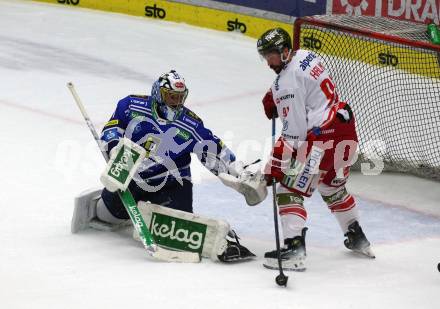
251	185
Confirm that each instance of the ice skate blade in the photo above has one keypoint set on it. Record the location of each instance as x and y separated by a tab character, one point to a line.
298	265
239	259
285	268
367	252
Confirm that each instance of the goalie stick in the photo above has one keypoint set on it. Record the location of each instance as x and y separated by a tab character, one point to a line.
129	203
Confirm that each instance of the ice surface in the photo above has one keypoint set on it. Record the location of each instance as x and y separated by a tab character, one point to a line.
48	156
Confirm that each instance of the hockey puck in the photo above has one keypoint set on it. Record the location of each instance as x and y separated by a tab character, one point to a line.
281	280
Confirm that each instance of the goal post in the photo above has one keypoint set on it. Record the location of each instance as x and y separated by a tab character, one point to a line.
389	72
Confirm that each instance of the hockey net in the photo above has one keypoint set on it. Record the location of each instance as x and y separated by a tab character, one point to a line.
389	72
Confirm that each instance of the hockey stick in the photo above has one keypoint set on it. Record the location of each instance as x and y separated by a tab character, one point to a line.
130	205
252	163
281	279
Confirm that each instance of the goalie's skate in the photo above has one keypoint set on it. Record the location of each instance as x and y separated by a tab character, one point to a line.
234	251
357	241
293	255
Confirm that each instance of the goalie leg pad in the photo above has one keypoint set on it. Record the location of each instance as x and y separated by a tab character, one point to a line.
104	214
90	211
185	231
84	210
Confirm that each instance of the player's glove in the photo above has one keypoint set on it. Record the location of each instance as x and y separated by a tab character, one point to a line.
344	113
269	105
279	161
296	170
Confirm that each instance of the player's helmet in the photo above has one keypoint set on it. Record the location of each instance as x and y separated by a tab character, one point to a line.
274	40
170	93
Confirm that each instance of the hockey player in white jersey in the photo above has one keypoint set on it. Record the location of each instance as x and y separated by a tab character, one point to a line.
314	151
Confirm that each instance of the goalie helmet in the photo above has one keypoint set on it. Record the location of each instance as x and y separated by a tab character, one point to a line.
274	40
169	92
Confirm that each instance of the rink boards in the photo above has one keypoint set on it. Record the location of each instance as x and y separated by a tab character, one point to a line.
183	13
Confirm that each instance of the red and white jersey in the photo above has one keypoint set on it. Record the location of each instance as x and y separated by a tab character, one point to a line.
305	96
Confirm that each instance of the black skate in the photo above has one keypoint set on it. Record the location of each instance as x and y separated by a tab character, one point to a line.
234	252
293	255
356	240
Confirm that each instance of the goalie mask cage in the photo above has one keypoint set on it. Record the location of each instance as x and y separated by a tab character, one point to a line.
389	72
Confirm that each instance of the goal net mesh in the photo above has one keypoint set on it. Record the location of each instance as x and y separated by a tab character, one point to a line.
389	72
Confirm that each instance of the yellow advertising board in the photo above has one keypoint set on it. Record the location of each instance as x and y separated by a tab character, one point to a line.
184	13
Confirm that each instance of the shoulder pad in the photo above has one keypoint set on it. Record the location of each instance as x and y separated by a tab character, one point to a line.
190	114
142	100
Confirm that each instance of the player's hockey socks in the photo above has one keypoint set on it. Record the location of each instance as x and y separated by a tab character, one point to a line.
356	240
293	255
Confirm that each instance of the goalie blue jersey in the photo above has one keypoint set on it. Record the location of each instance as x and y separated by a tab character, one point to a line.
169	144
